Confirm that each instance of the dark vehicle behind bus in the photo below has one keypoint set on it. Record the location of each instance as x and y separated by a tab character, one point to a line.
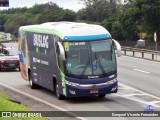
9	59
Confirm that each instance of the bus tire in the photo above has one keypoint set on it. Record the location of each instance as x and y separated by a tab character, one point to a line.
32	85
58	95
101	95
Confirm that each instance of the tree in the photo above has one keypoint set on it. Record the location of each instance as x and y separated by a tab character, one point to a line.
113	25
97	10
13	18
129	24
117	31
149	15
57	15
3	18
14	10
16	20
40	8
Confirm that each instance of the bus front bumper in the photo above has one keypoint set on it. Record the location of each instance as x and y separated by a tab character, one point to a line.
74	90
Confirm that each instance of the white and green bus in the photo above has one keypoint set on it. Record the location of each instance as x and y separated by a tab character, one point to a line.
73	59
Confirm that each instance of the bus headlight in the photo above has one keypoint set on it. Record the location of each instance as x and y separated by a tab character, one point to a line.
111	76
72	92
71	83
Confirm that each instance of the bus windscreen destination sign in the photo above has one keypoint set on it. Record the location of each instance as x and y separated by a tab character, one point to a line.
4	3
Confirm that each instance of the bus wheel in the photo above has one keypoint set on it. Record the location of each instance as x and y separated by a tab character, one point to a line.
101	95
59	96
32	85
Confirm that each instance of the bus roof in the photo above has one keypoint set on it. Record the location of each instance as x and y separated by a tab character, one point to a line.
70	30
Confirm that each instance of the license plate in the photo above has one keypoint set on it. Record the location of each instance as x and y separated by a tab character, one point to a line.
93	91
11	65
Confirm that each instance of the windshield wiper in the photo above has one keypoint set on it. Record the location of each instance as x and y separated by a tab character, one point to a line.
100	65
85	68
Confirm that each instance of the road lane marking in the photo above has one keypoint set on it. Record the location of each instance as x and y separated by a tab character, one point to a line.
41	100
124	85
123	88
155	102
141	71
134	94
138	99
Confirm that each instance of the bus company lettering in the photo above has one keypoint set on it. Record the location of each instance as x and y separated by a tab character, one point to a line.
40	40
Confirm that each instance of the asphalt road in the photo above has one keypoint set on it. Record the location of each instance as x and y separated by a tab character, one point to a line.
138	88
141	74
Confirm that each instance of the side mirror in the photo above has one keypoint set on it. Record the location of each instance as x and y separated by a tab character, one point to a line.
118	46
61	51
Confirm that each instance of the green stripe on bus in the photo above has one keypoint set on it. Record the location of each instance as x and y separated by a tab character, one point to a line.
37	49
42	30
63	83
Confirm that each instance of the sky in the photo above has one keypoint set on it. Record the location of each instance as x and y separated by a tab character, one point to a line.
66	4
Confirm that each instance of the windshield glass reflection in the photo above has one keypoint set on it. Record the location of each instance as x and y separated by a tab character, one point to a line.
94	58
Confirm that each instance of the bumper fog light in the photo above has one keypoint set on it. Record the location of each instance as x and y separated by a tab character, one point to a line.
113	89
72	92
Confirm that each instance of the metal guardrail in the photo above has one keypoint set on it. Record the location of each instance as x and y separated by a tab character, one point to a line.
154	54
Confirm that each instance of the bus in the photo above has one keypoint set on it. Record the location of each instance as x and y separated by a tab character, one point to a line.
70	58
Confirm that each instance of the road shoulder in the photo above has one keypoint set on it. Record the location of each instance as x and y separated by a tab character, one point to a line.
33	104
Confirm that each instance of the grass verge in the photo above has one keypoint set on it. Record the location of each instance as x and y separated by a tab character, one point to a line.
7	105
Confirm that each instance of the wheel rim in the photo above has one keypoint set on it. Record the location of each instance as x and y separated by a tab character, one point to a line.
57	90
30	82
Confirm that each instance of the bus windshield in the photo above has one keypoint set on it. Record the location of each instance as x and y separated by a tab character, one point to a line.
91	59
